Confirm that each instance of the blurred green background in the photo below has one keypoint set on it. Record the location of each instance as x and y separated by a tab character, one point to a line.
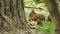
39	7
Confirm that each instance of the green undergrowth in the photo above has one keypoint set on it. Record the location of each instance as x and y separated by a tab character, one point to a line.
47	28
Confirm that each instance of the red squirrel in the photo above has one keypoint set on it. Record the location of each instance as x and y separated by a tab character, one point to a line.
49	18
36	17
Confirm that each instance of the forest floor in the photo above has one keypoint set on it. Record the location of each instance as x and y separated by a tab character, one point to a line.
32	31
21	31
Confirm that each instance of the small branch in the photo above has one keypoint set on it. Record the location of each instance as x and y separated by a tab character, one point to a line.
33	7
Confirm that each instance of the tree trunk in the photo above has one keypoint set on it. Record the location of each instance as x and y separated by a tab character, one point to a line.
12	15
54	13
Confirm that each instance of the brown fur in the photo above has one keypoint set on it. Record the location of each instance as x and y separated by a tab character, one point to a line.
36	17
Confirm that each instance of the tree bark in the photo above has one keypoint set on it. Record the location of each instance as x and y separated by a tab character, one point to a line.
54	13
12	15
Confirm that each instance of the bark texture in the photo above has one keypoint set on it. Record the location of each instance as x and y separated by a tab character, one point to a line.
12	15
54	13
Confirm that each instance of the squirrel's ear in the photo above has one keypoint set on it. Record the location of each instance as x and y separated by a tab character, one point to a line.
33	11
